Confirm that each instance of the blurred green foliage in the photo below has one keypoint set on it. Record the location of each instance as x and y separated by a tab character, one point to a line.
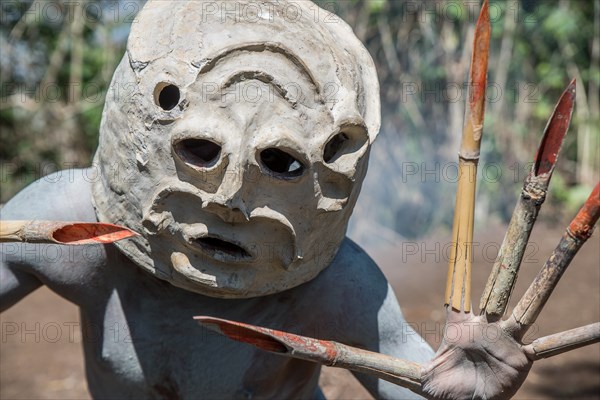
55	72
56	63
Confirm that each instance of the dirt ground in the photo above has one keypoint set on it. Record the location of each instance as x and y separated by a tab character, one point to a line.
41	357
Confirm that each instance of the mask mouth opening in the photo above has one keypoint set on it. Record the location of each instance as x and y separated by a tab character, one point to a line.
220	248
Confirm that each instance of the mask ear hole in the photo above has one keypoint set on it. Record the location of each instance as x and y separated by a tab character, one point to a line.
166	95
348	141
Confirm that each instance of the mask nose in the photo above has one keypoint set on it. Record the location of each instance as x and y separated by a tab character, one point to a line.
228	202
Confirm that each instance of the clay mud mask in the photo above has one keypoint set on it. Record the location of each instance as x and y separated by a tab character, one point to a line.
241	146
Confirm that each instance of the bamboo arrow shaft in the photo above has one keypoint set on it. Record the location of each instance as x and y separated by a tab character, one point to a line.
11	231
398	371
559	343
458	284
62	232
531	304
506	267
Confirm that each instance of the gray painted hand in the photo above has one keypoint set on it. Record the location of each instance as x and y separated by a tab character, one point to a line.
477	360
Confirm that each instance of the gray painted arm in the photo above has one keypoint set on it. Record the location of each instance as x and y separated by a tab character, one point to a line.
14	284
60	196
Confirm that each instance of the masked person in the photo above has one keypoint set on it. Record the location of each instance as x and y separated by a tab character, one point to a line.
236	145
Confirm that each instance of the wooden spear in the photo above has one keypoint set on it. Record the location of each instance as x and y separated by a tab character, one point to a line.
506	268
458	284
526	311
62	232
400	372
559	343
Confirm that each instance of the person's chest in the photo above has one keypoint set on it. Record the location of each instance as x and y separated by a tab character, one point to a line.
140	339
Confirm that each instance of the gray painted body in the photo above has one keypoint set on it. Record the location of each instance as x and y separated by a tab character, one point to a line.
139	337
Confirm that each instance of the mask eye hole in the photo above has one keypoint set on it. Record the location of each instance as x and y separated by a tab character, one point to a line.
281	164
351	139
166	96
333	147
198	152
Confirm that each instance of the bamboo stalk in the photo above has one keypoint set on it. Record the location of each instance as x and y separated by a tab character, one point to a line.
502	279
549	346
531	304
62	232
458	284
400	372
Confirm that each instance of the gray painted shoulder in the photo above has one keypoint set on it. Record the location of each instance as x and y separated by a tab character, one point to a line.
63	196
354	271
349	295
361	310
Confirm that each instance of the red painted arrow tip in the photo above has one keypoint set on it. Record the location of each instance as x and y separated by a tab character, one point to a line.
240	332
91	233
582	225
555	132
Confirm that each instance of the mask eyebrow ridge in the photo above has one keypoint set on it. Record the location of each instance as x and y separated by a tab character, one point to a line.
262	47
262	77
